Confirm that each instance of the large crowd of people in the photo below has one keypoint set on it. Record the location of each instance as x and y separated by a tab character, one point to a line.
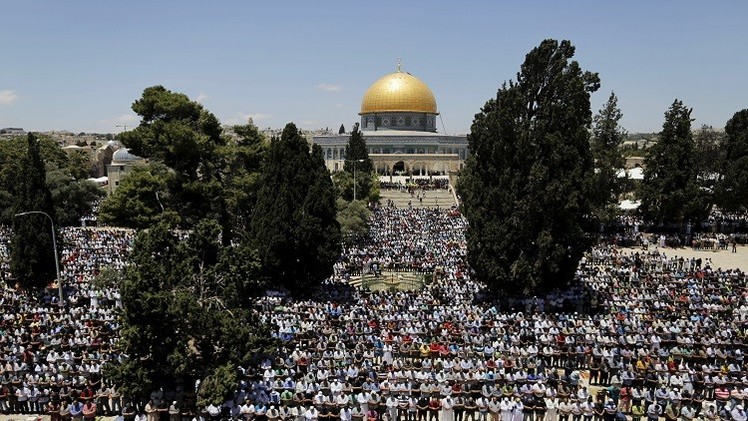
640	334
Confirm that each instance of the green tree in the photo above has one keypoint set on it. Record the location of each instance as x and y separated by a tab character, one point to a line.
243	156
709	150
293	225
79	165
142	199
341	130
527	185
186	138
607	138
72	198
183	318
353	218
58	166
732	190
32	258
357	158
670	190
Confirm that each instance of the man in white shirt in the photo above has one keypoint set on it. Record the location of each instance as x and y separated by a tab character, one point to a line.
448	413
311	414
738	413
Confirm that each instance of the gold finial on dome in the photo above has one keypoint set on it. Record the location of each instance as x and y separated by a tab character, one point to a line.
398	65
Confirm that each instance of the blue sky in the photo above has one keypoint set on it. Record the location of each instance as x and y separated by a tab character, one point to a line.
79	65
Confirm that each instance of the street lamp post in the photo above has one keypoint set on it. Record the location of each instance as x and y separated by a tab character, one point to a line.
54	246
354	174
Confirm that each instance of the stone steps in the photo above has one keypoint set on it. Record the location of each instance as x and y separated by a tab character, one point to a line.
432	199
405	281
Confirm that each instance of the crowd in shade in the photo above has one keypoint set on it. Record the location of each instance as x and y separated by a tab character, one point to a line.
641	334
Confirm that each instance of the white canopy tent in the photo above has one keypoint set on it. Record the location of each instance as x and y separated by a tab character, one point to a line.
629	204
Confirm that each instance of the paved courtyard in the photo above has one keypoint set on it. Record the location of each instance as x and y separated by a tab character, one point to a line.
720	258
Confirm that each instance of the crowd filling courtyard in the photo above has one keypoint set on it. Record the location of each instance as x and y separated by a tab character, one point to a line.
645	331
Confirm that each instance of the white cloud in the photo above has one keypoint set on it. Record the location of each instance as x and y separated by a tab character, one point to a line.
242	118
201	97
8	97
328	87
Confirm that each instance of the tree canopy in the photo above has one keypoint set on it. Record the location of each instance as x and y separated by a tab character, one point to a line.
142	199
357	160
66	175
197	170
607	138
195	269
670	190
293	224
186	313
32	257
732	190
527	184
186	139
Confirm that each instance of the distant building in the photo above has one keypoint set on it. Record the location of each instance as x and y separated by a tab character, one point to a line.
12	131
122	163
103	157
398	121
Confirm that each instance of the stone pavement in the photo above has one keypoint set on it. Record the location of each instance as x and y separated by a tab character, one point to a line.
433	198
724	259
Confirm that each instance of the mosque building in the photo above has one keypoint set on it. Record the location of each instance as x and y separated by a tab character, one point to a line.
398	121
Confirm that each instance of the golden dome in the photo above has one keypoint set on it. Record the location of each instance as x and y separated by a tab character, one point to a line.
398	92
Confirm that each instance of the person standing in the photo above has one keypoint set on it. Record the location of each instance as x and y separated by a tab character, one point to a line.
470	408
391	404
434	408
564	410
654	410
422	406
53	410
459	407
151	411
738	413
551	409
637	411
448	413
76	410
539	408
89	410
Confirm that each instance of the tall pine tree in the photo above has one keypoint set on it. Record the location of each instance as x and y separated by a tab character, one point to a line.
527	186
188	139
670	192
607	138
32	258
293	225
732	190
357	159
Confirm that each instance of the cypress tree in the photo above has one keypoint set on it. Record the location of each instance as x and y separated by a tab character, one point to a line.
670	190
732	190
32	258
607	138
526	188
357	157
293	225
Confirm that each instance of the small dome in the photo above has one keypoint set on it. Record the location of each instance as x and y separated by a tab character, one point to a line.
124	155
398	92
